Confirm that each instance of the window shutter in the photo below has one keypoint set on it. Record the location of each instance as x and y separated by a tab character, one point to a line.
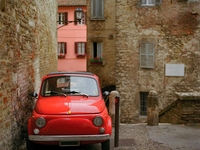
85	18
58	51
150	55
76	47
100	8
99	49
93	4
75	19
85	47
66	18
97	8
158	2
65	50
139	2
143	55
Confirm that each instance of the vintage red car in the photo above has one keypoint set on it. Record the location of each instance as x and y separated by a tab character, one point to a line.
69	111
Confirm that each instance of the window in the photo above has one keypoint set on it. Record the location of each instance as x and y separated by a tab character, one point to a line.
97	52
143	103
62	48
97	9
150	2
147	55
80	48
55	86
62	18
97	49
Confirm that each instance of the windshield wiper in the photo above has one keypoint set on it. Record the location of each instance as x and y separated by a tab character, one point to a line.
54	92
76	92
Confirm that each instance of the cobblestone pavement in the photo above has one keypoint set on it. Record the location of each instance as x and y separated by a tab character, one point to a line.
143	137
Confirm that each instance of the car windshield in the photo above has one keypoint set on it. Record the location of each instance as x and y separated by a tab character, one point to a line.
69	85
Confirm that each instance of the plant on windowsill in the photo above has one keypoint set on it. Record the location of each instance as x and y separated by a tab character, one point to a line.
61	55
96	60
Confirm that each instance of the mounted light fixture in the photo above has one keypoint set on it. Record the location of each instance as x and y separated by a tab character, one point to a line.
78	17
79	14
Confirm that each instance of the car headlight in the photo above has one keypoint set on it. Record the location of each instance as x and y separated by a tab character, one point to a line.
98	121
40	122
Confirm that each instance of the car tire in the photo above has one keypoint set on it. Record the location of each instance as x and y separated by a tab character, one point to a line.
30	145
105	145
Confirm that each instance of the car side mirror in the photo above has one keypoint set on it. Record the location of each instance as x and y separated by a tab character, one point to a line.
34	94
106	93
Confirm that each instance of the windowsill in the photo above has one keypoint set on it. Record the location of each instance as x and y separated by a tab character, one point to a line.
96	63
61	56
97	19
80	55
148	5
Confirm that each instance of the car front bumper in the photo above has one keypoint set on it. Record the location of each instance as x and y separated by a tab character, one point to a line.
49	138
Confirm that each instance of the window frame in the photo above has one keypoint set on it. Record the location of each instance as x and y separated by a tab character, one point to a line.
143	103
97	9
97	53
62	18
77	50
64	49
147	2
147	55
98	49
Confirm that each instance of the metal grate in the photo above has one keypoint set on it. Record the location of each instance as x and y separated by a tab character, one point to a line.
143	103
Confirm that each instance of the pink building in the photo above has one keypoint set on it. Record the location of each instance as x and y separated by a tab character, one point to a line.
71	36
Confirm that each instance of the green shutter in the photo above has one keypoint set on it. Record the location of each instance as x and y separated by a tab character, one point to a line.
99	49
100	9
93	10
150	55
146	55
143	55
97	10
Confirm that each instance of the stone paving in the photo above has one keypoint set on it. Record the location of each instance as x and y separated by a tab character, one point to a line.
143	137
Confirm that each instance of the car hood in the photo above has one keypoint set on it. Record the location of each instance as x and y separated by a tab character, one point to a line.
69	105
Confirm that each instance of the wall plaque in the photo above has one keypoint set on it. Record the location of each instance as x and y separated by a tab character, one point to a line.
174	70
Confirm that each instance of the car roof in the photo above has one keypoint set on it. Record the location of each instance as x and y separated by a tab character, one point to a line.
65	73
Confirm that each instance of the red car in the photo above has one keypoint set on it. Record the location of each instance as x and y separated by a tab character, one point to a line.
69	111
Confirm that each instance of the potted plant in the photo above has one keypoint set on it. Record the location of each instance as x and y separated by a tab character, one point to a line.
96	60
61	55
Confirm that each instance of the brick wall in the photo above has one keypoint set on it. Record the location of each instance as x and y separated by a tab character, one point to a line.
28	46
173	26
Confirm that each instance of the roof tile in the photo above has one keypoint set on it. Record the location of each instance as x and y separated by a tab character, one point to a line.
71	2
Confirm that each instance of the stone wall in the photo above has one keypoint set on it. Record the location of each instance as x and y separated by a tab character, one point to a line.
185	110
28	46
173	26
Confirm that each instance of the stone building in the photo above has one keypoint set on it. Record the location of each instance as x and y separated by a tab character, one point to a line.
101	40
156	47
28	50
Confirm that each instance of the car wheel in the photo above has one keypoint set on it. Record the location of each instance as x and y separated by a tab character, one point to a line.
30	145
105	145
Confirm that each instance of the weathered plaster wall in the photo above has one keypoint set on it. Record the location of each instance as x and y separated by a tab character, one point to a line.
174	28
103	31
28	46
